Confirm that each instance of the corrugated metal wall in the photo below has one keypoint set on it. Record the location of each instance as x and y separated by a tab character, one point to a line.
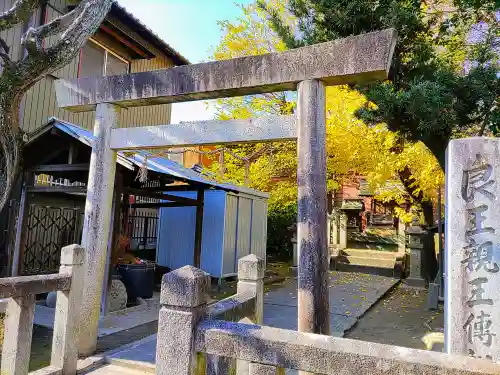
12	36
40	104
244	229
234	225
175	246
247	229
230	235
259	228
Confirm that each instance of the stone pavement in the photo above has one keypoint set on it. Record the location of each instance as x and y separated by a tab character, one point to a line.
351	295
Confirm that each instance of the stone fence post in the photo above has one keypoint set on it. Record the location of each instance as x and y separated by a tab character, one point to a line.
401	236
18	323
18	331
251	279
343	231
64	340
184	295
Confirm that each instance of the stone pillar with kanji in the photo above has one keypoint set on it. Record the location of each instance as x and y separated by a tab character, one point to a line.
473	248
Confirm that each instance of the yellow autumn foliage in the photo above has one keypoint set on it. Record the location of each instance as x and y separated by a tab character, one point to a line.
353	148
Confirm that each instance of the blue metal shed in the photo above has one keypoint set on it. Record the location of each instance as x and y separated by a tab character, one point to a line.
234	225
234	217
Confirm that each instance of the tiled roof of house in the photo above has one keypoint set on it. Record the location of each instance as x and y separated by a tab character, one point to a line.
140	158
149	34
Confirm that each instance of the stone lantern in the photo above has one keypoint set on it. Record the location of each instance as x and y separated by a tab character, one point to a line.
415	243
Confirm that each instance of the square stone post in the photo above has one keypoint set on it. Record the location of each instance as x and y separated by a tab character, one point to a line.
313	310
401	236
251	279
18	332
64	348
184	294
335	229
343	231
96	225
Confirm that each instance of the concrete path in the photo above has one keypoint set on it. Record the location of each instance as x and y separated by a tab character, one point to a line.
351	295
114	322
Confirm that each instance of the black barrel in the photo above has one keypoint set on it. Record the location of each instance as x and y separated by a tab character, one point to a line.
139	279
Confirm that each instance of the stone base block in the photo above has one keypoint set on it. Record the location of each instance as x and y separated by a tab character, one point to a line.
415	283
433	297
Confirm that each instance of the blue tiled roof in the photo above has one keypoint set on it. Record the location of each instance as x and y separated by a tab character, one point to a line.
155	164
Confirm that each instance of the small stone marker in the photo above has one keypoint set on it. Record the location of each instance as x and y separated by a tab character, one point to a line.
473	248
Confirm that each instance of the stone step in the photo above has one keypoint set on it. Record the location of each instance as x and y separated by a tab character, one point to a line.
368	262
346	267
370	254
385	266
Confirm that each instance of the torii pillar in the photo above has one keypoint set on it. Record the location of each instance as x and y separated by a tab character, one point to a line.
357	59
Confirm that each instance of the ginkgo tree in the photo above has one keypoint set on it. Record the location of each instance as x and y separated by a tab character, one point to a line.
353	148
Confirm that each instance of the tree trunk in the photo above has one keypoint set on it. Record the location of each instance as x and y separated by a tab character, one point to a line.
10	147
411	187
438	145
16	78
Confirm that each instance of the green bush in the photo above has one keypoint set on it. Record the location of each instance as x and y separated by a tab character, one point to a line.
279	233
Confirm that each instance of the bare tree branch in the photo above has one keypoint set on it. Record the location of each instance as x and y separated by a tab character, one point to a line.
18	76
4	52
82	23
20	12
32	40
486	119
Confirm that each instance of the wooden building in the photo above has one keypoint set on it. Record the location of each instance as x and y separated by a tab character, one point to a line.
50	215
362	208
121	45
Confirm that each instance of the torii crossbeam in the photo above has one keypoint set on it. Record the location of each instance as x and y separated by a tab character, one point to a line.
357	59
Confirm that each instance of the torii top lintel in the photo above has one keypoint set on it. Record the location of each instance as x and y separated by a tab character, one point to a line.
355	59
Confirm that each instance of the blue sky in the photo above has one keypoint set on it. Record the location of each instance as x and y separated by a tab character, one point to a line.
190	27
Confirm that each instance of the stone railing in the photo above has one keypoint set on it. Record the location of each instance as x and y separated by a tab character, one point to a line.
18	324
184	296
187	327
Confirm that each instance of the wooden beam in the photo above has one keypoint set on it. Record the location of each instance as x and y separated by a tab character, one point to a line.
60	168
356	59
200	197
126	212
124	40
192	186
58	189
161	204
168	197
72	153
10	236
22	222
260	129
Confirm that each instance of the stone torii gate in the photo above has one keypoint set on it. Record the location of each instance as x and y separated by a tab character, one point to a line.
357	59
